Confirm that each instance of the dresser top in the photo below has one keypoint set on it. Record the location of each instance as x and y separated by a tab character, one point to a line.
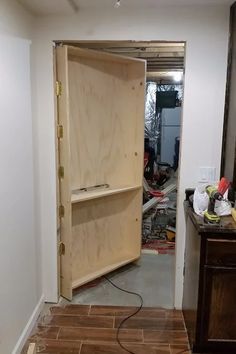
227	224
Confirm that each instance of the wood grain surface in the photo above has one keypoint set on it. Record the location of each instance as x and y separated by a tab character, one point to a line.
60	333
101	110
106	234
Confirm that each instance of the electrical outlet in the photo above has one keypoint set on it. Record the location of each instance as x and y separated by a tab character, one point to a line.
207	174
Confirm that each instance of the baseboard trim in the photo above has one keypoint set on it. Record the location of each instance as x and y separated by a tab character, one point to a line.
29	326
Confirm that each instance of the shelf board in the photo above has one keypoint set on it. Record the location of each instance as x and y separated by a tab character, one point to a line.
104	270
84	196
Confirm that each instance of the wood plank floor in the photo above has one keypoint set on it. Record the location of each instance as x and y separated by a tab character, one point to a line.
81	329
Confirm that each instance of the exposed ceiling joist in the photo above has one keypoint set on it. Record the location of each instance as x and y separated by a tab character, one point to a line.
170	59
161	77
158	69
166	64
148	56
152	56
141	49
162	58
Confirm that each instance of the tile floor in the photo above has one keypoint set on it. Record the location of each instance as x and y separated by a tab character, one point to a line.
84	329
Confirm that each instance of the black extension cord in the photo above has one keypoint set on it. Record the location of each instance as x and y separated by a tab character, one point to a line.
128	317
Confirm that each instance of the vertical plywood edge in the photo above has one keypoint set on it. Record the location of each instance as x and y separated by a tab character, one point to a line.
57	166
142	69
138	69
64	182
143	122
140	220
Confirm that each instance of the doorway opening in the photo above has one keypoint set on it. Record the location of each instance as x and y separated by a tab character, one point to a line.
154	273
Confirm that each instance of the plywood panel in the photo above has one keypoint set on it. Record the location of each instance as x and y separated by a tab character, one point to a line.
107	120
75	53
101	109
106	231
64	183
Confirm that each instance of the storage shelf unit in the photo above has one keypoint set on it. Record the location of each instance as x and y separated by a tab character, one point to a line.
101	112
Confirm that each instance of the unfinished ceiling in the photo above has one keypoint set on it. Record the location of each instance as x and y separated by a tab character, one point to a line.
67	7
164	59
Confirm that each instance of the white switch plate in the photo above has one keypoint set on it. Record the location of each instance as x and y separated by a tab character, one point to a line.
207	174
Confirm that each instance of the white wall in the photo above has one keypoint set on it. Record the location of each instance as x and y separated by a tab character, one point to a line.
14	20
20	268
205	29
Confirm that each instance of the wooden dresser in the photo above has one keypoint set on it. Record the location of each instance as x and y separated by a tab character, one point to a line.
209	301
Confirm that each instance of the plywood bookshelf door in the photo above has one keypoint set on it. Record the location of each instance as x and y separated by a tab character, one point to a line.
101	109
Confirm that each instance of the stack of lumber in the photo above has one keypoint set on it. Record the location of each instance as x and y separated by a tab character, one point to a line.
152	202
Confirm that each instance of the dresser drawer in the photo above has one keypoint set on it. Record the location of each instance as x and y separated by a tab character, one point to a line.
221	252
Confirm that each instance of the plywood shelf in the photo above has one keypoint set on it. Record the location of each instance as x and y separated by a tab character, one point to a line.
94	194
105	270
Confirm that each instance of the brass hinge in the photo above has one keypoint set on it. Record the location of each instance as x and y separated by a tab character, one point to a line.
61	211
58	88
61	172
60	131
62	249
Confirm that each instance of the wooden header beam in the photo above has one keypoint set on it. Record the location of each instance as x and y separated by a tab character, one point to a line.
123	44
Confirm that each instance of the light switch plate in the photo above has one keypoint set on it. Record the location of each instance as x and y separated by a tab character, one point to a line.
207	174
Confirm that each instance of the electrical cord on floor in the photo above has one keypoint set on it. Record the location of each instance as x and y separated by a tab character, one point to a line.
128	317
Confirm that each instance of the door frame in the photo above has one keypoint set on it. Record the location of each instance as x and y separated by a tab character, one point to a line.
178	262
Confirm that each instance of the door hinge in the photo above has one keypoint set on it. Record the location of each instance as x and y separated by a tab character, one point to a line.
60	131
61	211
58	88
61	172
62	249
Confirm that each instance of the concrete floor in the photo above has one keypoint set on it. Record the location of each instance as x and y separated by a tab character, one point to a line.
152	277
